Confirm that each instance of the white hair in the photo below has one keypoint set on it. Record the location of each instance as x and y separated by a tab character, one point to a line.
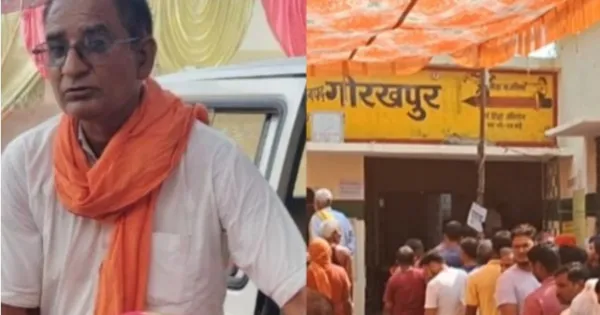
328	227
323	195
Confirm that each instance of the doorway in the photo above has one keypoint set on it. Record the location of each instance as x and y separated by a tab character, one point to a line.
407	198
403	215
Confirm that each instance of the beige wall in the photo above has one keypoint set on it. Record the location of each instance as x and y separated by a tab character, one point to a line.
579	97
329	170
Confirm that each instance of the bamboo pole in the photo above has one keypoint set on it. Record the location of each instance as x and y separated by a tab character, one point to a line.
483	88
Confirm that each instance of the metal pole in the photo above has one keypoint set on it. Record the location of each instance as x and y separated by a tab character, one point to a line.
483	88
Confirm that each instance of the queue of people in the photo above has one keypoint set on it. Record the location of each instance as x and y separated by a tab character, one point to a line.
330	250
512	273
517	272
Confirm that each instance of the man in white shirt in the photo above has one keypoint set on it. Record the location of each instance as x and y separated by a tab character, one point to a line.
443	295
517	282
126	202
586	302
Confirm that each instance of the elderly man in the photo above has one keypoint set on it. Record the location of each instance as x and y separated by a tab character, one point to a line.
341	256
99	212
324	212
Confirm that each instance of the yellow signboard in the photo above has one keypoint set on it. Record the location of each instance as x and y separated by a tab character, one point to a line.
437	106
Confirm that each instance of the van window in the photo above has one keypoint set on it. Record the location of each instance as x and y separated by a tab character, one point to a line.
300	185
246	129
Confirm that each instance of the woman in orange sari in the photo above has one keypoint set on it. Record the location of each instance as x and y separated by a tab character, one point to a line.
328	279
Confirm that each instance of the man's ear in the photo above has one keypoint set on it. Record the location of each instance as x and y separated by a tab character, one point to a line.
146	55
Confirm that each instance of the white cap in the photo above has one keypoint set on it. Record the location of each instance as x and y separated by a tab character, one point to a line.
328	227
323	195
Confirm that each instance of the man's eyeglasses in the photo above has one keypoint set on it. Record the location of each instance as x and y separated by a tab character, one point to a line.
90	49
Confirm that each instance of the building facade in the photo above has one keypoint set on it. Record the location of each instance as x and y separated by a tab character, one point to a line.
400	152
578	127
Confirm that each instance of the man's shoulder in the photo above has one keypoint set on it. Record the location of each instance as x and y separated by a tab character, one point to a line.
208	145
339	214
436	281
461	273
209	137
506	276
35	142
511	271
485	272
532	297
591	283
343	250
412	274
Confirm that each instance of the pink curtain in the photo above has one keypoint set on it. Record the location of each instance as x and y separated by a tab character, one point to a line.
287	19
32	25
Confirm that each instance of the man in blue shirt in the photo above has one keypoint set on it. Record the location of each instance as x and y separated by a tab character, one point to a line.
324	212
449	249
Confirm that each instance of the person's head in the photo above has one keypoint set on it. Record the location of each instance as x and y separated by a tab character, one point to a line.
323	198
468	250
331	231
405	256
570	280
593	249
319	252
417	246
544	237
485	252
469	232
453	231
98	53
433	263
570	254
507	258
317	303
522	241
544	261
501	239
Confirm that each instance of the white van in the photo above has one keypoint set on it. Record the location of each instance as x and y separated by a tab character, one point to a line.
262	106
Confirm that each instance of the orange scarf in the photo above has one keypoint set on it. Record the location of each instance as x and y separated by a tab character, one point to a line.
122	188
320	252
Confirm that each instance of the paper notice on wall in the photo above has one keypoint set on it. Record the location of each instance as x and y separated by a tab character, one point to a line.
351	190
327	127
476	218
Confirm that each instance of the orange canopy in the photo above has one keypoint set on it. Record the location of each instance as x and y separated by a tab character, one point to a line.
345	35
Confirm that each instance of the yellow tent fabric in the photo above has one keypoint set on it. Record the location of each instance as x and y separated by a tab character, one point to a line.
21	81
199	33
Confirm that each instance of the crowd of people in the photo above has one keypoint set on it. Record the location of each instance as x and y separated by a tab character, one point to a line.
517	272
330	251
